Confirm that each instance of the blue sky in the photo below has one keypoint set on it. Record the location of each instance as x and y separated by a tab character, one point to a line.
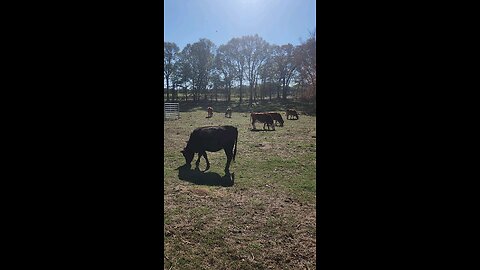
276	21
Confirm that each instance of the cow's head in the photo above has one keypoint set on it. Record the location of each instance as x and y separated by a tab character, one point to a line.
188	155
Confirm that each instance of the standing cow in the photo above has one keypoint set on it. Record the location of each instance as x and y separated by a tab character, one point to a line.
277	118
264	118
228	113
211	139
209	112
292	113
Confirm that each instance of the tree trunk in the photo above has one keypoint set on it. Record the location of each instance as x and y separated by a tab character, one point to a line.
250	100
278	91
255	91
193	90
270	91
229	92
167	91
226	92
241	84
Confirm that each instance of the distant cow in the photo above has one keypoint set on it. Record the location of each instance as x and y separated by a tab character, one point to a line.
277	118
228	113
264	118
209	112
292	113
211	139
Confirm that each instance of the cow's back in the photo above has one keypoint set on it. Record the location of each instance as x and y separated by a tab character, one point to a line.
212	138
262	117
276	116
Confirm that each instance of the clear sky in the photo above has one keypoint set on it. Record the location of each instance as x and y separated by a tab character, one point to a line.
276	21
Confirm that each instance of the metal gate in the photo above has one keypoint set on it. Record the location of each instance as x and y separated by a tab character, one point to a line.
171	111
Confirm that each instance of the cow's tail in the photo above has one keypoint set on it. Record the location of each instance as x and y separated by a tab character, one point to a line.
235	151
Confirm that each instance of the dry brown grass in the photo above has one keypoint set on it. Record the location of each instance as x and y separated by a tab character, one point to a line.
265	220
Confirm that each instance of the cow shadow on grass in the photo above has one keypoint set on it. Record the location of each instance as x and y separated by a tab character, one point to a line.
198	177
257	130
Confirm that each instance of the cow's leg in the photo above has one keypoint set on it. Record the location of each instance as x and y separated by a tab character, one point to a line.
198	160
206	159
229	152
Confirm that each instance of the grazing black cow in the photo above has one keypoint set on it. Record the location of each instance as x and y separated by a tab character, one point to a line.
211	139
264	118
277	118
292	113
228	113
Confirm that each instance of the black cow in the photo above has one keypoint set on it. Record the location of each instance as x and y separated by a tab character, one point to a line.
264	118
211	139
277	118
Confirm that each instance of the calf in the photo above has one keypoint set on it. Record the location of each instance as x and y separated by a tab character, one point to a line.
292	113
209	112
277	118
264	118
211	139
228	113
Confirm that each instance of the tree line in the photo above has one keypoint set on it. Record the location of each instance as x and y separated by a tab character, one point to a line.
258	68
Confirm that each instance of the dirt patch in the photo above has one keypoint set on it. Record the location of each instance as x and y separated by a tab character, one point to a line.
263	145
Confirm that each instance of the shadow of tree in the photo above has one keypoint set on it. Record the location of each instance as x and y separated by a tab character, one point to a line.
198	177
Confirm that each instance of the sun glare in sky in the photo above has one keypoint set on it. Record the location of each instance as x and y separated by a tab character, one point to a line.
277	21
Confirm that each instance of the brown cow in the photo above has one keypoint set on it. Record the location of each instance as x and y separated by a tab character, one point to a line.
264	118
228	113
277	118
291	113
209	112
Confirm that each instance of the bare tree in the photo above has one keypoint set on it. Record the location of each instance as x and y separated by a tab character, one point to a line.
224	63
255	51
185	69
203	53
237	55
307	62
267	72
202	69
285	66
170	51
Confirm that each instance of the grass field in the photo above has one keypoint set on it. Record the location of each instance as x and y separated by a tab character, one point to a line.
264	219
